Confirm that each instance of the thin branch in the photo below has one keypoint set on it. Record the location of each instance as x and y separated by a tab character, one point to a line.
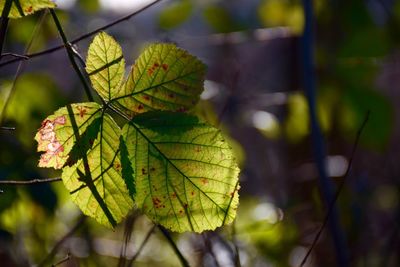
82	37
65	259
30	182
5	128
71	55
21	67
171	242
341	185
13	55
208	247
57	246
326	185
129	224
145	240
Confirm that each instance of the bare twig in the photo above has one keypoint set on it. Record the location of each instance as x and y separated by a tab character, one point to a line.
70	53
171	242
340	187
129	223
30	182
82	37
142	245
21	67
13	55
57	246
65	259
5	128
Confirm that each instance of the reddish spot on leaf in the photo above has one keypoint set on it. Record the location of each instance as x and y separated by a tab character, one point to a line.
173	195
146	97
171	95
29	9
185	205
164	66
150	71
204	181
117	166
144	171
192	193
180	211
152	169
197	149
140	107
82	111
156	65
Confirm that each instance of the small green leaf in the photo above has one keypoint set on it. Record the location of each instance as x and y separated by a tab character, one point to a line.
185	173
105	65
164	77
21	8
56	136
95	182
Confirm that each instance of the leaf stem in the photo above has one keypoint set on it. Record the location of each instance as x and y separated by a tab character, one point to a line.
82	37
70	53
171	242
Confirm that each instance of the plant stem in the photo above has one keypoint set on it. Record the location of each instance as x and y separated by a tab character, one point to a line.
70	53
4	24
317	138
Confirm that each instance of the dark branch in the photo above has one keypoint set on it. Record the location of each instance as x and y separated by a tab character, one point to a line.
30	182
341	185
13	55
5	128
65	259
82	37
171	242
4	23
71	55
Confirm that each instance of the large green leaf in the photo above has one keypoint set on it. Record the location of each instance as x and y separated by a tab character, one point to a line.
164	77
56	136
21	8
185	173
95	181
105	65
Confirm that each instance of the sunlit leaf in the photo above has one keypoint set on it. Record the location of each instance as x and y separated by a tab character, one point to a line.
105	65
21	8
95	182
185	173
175	14
56	136
164	77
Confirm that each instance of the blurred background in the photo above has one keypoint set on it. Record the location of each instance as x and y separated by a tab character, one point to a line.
254	93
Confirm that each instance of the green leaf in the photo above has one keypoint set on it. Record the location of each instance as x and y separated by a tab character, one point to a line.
105	65
175	14
164	77
95	182
56	136
185	172
21	8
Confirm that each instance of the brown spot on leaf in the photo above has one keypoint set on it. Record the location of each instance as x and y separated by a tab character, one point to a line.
192	193
29	9
164	66
146	97
204	181
144	171
140	107
171	95
152	169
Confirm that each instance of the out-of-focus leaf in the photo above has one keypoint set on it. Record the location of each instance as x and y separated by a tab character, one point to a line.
175	14
274	13
186	175
56	137
105	65
164	77
90	6
21	8
95	182
355	105
297	121
219	19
